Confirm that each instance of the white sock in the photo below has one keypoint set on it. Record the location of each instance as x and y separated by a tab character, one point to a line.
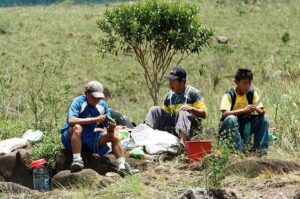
121	163
77	157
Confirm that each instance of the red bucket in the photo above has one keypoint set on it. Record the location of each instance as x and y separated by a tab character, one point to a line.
196	150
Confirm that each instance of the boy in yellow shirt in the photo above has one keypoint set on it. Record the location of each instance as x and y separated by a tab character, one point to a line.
242	106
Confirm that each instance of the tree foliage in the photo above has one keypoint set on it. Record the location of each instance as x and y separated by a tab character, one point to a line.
155	31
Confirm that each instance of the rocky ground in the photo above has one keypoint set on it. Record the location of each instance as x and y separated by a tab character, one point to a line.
176	178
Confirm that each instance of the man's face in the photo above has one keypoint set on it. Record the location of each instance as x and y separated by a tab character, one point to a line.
92	100
243	85
176	86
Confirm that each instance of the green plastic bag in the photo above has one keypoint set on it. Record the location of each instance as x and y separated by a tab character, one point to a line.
271	137
123	133
137	153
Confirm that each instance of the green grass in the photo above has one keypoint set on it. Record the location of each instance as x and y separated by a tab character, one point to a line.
130	187
48	54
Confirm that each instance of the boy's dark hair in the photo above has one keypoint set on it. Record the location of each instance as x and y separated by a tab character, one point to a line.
243	74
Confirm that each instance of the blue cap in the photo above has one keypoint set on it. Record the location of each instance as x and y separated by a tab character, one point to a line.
176	73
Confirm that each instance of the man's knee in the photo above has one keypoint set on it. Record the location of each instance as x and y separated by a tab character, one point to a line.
262	120
229	123
231	119
76	130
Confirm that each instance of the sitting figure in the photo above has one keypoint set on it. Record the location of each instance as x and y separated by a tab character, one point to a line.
80	130
242	112
183	105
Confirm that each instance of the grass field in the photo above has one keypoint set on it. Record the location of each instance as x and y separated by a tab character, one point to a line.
48	53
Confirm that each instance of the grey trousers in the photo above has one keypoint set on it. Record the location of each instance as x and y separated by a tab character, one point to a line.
159	119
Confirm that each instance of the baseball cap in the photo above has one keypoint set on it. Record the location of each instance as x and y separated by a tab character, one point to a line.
95	88
176	73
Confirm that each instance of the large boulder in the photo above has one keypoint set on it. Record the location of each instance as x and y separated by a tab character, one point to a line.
13	168
101	164
13	188
88	177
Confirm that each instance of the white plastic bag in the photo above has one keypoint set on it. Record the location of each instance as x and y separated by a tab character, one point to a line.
33	136
155	148
155	141
9	145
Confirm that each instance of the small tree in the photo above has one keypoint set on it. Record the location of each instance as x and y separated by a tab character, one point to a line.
155	31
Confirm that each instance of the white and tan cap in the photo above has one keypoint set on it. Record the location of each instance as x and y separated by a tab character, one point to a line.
95	88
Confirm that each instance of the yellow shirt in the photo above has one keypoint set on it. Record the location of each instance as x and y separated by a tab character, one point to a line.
240	102
191	96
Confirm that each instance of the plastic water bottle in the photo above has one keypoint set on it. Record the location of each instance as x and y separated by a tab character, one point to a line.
41	180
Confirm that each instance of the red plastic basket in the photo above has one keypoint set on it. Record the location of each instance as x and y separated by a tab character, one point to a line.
196	150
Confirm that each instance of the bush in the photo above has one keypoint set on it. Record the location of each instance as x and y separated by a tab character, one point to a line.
285	37
46	148
155	31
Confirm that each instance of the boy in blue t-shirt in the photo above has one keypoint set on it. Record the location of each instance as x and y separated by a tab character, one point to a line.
80	130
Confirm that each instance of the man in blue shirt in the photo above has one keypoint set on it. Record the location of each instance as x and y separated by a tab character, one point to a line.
80	130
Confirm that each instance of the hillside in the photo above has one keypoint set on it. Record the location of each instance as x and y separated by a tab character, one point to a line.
48	53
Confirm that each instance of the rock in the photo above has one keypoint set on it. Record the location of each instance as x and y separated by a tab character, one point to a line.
160	169
222	39
297	194
13	168
278	74
112	175
87	177
280	195
101	164
260	186
285	97
13	189
208	193
16	188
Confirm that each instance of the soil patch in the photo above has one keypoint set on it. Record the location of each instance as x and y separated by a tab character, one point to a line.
253	168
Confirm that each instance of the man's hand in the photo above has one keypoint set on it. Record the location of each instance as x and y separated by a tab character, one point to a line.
260	110
111	128
100	119
249	109
186	108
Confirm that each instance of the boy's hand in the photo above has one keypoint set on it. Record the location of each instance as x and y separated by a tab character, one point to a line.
249	109
260	110
100	119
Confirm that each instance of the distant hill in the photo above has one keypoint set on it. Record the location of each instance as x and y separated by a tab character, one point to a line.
8	3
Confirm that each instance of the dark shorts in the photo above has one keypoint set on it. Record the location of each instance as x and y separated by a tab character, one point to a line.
89	142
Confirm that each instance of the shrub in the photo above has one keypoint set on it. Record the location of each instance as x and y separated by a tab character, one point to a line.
285	37
155	31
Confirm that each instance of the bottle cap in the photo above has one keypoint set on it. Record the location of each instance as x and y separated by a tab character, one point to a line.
37	163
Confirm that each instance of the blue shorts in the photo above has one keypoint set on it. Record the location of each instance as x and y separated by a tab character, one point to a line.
89	142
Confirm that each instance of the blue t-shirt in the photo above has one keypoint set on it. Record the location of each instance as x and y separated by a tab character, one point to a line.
81	109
